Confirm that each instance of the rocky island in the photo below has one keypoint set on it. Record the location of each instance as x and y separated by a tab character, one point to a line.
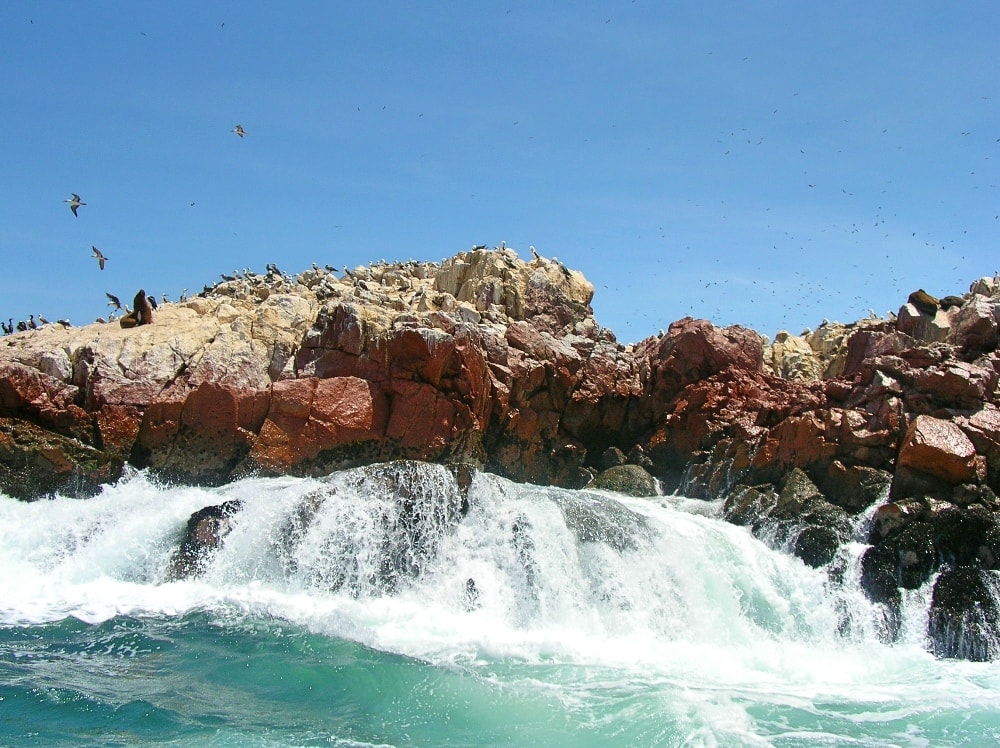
491	362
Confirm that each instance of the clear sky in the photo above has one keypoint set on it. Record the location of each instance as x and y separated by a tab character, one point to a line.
769	164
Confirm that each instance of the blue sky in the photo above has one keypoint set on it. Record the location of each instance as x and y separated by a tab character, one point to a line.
769	164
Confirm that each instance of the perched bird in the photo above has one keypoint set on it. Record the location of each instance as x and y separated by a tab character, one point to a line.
113	300
8	326
152	301
534	253
239	130
101	259
74	202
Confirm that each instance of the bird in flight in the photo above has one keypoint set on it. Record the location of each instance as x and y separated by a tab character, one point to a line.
239	130
74	202
101	259
113	300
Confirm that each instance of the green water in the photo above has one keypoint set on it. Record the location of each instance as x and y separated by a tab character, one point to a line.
192	681
195	681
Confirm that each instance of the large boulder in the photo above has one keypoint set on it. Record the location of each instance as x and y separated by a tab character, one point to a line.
627	479
964	620
974	329
939	448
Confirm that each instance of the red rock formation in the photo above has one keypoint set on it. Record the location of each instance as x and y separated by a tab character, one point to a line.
488	358
939	448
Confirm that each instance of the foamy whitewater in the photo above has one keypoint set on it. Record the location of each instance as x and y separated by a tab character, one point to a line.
538	617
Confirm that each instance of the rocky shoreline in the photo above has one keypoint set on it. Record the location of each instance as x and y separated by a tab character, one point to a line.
490	361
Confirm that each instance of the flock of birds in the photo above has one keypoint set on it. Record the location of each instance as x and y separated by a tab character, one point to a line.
142	304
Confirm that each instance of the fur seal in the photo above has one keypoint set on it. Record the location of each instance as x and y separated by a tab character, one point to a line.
924	302
142	314
142	309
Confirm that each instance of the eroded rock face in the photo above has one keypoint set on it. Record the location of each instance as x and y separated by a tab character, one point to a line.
497	362
274	374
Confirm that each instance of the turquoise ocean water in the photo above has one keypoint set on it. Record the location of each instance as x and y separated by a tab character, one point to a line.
538	617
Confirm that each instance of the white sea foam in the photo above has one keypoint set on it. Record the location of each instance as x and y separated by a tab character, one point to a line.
601	588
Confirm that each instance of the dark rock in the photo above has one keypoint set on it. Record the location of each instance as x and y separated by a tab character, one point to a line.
916	555
628	479
798	492
637	456
817	545
821	527
612	457
855	487
963	617
967	537
464	474
745	505
890	518
36	462
596	519
205	531
799	517
880	582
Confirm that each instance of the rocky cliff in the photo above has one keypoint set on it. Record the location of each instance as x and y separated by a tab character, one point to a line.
490	360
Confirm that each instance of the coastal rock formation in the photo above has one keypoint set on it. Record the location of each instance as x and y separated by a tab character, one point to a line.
492	361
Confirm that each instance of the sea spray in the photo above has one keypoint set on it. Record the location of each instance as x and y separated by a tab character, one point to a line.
333	613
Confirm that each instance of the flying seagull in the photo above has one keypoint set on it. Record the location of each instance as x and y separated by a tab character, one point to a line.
113	300
74	202
101	259
239	130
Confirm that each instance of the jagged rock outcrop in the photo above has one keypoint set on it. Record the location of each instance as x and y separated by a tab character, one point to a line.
487	359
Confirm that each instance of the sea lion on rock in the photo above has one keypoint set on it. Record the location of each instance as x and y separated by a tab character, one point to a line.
142	309
947	302
141	314
924	302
